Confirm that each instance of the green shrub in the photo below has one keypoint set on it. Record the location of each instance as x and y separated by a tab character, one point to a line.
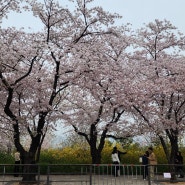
8	160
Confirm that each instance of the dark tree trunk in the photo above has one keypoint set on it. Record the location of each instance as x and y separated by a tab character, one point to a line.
96	159
174	149
96	156
29	168
28	160
96	151
170	154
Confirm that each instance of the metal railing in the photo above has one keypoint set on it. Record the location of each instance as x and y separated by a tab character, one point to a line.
88	174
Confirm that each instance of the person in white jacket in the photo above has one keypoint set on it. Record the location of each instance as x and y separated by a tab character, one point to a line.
115	161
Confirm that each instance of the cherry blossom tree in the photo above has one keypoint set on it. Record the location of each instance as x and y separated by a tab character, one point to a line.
7	6
96	106
37	69
159	83
19	88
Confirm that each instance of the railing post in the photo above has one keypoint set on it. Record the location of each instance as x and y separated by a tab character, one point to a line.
48	173
149	179
38	173
4	172
90	180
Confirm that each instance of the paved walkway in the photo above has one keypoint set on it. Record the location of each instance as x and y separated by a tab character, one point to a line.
85	180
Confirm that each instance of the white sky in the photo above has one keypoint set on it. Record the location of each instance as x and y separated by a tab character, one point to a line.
138	12
135	12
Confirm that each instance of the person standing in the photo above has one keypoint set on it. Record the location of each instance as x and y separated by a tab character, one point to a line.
145	164
115	161
152	161
179	162
17	163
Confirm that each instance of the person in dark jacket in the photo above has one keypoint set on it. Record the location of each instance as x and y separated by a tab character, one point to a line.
145	164
179	162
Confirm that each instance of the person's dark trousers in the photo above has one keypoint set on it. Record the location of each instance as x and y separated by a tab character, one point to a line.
180	171
145	171
115	168
16	169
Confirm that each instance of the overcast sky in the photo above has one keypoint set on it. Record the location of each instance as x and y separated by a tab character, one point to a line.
138	12
135	12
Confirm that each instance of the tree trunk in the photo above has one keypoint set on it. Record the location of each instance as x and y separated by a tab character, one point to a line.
29	169
170	154
96	156
95	153
174	149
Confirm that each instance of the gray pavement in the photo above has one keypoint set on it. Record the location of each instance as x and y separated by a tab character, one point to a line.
83	180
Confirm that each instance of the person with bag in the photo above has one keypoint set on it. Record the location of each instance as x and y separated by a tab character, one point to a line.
115	161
